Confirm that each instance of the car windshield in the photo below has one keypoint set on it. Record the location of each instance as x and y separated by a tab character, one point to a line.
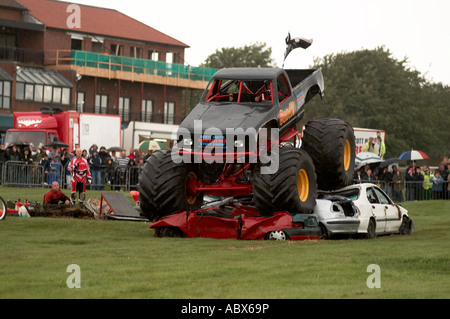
239	91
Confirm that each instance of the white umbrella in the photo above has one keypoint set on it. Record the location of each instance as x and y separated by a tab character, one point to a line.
364	158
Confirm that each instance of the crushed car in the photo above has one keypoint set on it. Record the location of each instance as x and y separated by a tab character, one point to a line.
362	209
237	218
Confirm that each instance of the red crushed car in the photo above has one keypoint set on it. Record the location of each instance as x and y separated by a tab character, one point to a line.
233	218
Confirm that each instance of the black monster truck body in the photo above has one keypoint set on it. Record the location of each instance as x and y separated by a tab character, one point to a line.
233	143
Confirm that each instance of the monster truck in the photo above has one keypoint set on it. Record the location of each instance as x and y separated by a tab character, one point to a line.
241	139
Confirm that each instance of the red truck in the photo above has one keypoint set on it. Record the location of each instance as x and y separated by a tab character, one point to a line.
69	127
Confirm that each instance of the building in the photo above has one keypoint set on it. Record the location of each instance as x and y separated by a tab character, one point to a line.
95	60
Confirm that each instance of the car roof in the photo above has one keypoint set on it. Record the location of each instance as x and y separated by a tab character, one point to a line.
248	73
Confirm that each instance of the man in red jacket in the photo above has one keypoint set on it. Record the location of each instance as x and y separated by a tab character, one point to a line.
81	175
55	195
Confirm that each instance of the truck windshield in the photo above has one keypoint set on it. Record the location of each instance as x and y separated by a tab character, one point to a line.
35	137
239	91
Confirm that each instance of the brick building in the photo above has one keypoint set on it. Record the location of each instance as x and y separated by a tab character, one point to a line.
92	59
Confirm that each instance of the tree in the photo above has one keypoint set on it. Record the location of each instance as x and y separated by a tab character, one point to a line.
254	55
371	89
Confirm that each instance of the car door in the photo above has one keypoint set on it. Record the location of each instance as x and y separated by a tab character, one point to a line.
393	220
378	210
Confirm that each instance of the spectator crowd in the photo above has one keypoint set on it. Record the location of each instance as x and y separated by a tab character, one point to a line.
42	166
415	183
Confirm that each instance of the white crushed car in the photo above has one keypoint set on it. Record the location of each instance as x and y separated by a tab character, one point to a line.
363	209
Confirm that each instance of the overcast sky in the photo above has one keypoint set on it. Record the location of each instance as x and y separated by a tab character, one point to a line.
416	29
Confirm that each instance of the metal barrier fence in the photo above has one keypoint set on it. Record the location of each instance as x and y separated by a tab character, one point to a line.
410	191
18	174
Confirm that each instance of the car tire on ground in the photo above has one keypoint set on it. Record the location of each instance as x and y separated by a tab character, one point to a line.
331	145
291	188
406	226
163	186
371	229
3	209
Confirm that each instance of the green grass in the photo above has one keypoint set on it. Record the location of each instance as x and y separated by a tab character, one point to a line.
124	260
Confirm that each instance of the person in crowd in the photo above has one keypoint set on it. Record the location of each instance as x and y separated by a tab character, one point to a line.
3	155
427	193
93	148
13	154
385	180
26	157
444	174
81	175
397	184
110	170
418	181
95	163
133	174
369	146
437	181
379	147
104	155
409	178
121	170
85	154
448	186
131	154
55	196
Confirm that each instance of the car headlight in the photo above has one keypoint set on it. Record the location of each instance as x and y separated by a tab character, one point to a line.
239	143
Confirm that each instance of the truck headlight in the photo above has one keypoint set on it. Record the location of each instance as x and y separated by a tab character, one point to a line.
239	143
187	142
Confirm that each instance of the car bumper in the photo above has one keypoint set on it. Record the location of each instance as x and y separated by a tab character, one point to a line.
344	225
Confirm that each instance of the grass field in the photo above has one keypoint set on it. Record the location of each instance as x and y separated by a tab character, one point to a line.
124	260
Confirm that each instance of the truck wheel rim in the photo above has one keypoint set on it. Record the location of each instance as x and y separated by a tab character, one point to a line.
303	185
347	155
191	196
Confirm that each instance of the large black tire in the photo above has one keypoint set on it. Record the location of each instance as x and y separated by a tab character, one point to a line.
163	186
291	188
331	145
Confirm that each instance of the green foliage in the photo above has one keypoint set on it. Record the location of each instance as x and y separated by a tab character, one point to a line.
254	55
371	89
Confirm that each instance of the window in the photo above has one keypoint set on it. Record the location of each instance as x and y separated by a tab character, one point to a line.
101	103
153	55
5	94
124	108
169	112
43	87
136	52
147	110
80	102
117	49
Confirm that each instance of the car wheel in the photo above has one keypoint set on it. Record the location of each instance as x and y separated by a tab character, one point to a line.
324	233
371	230
276	235
405	227
3	209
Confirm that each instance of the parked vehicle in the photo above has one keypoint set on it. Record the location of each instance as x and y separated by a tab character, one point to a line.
53	126
361	209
